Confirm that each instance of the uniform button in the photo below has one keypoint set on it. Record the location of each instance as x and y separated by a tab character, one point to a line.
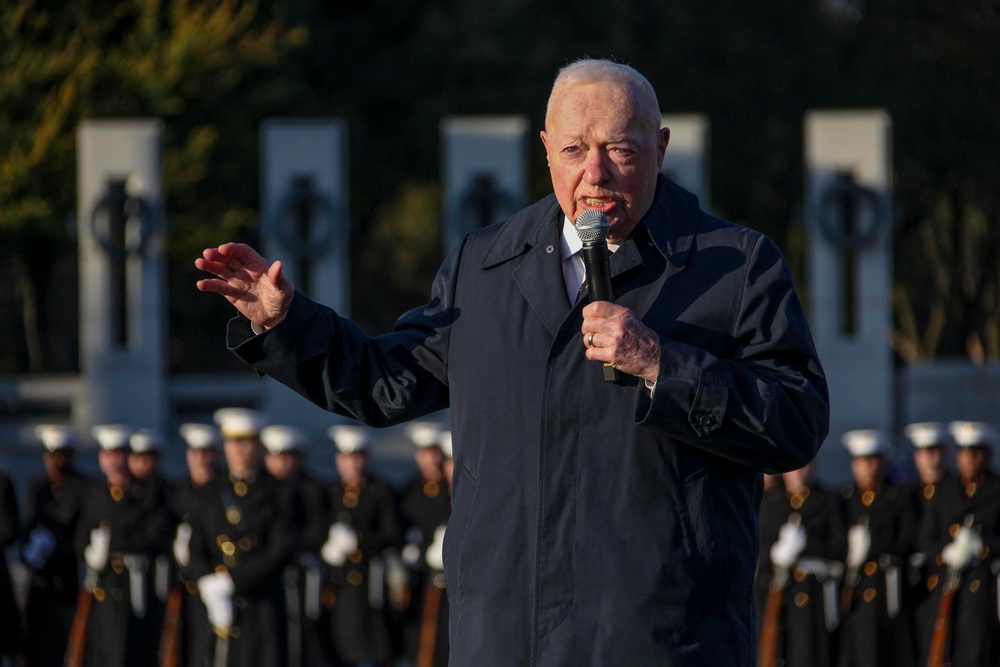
705	419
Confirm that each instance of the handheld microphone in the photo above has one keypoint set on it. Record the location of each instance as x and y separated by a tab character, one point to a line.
592	227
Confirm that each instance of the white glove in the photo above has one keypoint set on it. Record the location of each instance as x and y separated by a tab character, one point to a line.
963	550
859	541
41	543
341	541
435	552
216	592
182	544
791	542
96	553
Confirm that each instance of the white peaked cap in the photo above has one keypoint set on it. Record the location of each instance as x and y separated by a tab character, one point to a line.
973	434
112	436
349	438
867	442
55	437
239	422
201	436
145	440
444	441
424	434
928	434
278	439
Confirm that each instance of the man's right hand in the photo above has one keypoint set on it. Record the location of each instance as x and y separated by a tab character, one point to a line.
258	290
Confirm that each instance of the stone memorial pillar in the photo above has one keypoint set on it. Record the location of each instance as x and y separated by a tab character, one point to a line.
484	161
305	223
686	159
121	231
848	158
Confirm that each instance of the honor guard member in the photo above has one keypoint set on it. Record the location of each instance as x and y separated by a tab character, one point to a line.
145	456
309	643
190	637
962	531
11	639
364	523
123	526
52	511
424	507
803	543
876	629
240	545
931	442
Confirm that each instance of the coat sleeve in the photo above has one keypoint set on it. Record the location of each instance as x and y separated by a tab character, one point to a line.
767	405
381	380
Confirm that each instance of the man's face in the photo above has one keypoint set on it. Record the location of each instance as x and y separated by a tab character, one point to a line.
929	462
56	463
281	465
201	465
142	464
428	461
241	455
351	467
796	480
867	471
114	465
602	155
971	461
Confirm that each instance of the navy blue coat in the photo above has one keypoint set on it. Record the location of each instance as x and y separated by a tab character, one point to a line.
593	523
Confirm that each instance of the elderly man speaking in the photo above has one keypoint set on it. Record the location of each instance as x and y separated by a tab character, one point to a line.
594	522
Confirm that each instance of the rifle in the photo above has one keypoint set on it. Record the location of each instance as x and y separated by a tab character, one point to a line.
428	623
767	649
942	622
170	636
78	630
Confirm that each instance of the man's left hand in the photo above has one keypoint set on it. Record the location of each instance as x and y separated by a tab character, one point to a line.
613	334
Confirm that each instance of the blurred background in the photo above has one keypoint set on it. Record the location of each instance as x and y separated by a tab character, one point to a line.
213	71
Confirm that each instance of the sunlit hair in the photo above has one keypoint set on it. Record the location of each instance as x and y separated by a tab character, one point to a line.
590	70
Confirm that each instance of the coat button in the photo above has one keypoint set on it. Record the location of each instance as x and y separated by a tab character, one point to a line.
705	419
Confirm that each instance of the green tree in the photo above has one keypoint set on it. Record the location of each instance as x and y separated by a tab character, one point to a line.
194	63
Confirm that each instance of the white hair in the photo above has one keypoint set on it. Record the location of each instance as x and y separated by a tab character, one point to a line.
589	70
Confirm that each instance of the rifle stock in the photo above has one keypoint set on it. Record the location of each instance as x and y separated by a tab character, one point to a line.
767	648
78	630
170	636
428	625
942	622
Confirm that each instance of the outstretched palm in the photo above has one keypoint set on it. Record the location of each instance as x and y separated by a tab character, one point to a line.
257	289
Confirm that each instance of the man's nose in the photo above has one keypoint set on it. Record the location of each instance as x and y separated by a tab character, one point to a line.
595	169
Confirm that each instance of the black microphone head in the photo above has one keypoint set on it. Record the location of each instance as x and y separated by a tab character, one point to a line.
592	225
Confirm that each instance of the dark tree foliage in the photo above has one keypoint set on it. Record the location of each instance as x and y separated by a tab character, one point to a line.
392	70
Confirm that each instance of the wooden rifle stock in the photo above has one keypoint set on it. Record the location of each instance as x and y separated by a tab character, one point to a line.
170	636
767	646
428	625
942	622
78	630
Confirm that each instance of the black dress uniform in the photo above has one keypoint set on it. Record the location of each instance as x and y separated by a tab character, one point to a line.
195	639
244	528
974	637
121	631
10	617
876	627
360	618
809	618
923	591
425	507
52	512
309	642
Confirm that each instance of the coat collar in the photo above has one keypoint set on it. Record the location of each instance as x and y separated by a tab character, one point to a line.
672	221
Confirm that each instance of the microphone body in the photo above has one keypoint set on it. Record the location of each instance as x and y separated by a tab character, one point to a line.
592	227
